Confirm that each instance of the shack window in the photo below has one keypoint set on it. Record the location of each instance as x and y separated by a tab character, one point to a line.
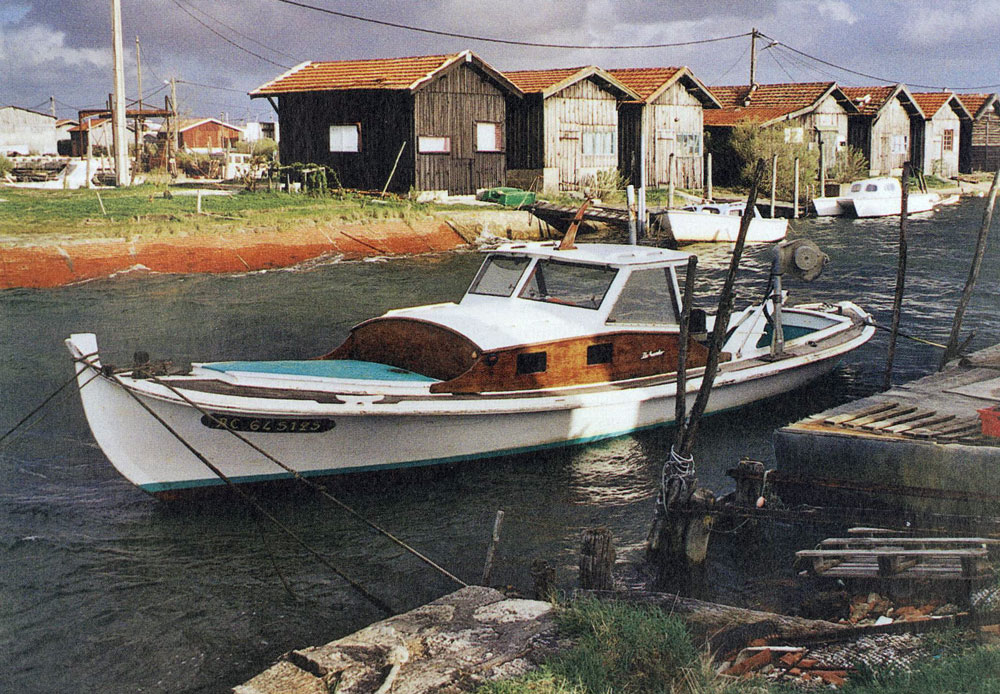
499	275
427	144
948	140
531	362
487	137
689	143
600	354
345	138
793	136
649	297
601	142
899	144
569	284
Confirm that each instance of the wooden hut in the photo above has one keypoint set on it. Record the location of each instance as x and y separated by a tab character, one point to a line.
429	122
979	142
208	135
888	122
943	113
810	112
668	115
565	130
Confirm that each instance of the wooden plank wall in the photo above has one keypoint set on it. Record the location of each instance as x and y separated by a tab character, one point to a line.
937	160
386	122
675	114
985	143
525	132
580	108
893	121
828	114
450	107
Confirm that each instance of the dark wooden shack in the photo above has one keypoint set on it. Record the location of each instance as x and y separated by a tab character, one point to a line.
428	122
979	143
565	131
668	114
886	127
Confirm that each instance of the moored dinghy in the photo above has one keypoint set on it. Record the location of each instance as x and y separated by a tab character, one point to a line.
548	347
718	222
877	197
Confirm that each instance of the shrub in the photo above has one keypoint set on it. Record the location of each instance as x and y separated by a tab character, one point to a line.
851	165
751	143
6	165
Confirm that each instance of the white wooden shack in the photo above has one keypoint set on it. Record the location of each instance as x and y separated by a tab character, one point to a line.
668	115
564	132
23	131
979	144
937	153
884	127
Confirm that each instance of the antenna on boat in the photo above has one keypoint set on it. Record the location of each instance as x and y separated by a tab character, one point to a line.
801	259
567	243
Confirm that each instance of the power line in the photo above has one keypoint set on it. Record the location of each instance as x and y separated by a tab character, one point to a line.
509	42
227	39
718	80
211	86
778	63
239	33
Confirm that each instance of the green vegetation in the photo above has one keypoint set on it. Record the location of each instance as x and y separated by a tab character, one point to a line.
6	165
851	165
751	143
157	210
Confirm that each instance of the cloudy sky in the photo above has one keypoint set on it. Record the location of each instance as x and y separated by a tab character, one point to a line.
220	49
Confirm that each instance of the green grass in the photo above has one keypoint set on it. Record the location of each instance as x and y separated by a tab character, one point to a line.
144	210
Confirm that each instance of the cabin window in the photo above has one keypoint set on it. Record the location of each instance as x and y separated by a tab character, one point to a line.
499	275
531	362
570	284
689	143
856	188
427	144
604	142
871	188
345	138
487	137
600	354
649	297
948	140
899	144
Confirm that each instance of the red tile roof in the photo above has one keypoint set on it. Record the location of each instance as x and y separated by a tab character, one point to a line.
931	102
380	73
765	103
533	81
974	102
645	81
869	99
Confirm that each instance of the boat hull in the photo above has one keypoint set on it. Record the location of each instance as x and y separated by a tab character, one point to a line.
702	227
161	443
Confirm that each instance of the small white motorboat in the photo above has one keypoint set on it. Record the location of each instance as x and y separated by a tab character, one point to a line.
548	347
717	222
876	197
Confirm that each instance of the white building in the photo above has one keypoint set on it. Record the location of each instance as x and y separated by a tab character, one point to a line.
23	131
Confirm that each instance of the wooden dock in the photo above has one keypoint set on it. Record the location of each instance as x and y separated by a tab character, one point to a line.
924	436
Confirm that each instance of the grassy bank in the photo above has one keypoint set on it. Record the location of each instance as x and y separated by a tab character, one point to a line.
626	649
31	215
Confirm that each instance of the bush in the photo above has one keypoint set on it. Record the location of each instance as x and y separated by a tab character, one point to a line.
6	165
265	148
851	165
751	143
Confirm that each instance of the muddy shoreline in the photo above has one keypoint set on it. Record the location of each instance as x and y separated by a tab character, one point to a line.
53	263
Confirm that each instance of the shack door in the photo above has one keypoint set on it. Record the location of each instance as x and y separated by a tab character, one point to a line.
570	156
665	141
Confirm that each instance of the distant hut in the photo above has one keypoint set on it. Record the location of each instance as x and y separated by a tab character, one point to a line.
23	131
565	130
884	129
428	122
668	113
937	152
810	112
979	143
208	135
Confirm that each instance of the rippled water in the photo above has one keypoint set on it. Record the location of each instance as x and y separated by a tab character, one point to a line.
102	588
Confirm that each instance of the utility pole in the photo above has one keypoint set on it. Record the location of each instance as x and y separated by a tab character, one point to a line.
138	119
118	104
753	57
173	106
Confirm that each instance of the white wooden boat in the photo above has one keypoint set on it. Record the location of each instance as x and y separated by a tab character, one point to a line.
876	197
547	348
718	222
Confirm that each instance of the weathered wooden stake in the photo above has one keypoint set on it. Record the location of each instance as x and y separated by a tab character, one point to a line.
795	202
198	210
774	181
491	550
597	559
708	176
544	578
897	301
822	171
680	404
632	214
951	351
671	165
394	165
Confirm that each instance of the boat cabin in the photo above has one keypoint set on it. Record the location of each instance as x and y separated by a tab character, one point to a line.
735	209
874	188
539	317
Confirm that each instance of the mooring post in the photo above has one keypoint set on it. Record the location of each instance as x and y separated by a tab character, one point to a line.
774	181
632	214
491	550
708	176
897	300
795	195
671	185
951	351
597	559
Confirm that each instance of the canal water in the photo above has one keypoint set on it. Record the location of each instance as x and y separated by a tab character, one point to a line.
103	588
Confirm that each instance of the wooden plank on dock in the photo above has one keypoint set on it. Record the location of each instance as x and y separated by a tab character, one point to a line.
896	411
864	412
905	418
901	428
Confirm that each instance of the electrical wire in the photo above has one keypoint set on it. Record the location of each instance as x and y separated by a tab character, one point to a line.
509	42
718	80
777	62
211	86
240	34
227	39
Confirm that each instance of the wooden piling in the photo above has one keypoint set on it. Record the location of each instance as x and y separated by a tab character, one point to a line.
597	559
951	351
491	550
774	181
680	404
897	301
795	201
708	176
671	166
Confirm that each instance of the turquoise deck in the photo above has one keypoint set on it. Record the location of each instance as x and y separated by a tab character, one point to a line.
323	368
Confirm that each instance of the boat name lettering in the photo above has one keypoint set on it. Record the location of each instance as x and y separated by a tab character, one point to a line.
269	425
651	354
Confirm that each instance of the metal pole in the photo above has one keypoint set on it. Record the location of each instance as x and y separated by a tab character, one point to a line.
951	351
897	302
118	104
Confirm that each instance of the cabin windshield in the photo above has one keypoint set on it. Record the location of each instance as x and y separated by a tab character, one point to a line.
572	284
649	297
499	275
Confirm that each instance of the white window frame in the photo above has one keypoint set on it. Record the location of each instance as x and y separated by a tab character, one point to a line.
794	135
482	146
599	143
345	137
433	144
